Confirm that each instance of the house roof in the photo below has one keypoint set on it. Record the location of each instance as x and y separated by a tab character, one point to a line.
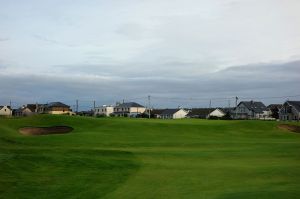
200	112
129	104
272	106
227	110
157	111
57	104
257	107
295	104
31	107
170	111
6	106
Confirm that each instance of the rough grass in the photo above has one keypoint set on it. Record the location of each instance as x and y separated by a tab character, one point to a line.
139	158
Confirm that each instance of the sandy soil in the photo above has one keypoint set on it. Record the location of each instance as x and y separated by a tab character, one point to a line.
290	127
45	130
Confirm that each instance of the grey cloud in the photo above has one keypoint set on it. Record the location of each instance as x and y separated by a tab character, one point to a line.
252	82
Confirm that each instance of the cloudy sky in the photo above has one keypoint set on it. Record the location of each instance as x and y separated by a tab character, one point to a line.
181	52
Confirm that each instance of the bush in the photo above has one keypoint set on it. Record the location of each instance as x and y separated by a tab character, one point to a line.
100	115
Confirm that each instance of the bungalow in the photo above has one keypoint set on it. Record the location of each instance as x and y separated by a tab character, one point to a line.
103	110
129	109
27	110
173	114
249	110
290	110
56	108
156	113
199	113
5	111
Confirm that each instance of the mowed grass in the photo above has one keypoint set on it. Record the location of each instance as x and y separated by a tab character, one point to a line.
140	158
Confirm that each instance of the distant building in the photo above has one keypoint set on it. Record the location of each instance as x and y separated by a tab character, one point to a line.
103	110
173	114
156	113
55	108
201	113
29	109
290	110
129	109
250	110
5	111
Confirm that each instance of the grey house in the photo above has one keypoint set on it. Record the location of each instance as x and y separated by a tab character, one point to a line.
249	110
290	110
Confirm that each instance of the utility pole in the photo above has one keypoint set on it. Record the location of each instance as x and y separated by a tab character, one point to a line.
236	101
94	104
149	104
209	110
76	106
228	103
10	104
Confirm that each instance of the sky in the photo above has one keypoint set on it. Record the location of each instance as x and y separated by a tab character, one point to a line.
180	52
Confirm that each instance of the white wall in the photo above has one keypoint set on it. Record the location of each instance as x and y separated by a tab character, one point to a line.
104	110
217	113
5	111
180	114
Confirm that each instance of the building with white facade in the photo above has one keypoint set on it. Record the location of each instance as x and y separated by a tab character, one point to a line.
5	111
103	110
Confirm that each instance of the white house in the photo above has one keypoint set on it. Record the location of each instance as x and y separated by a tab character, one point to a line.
173	114
104	110
129	109
5	111
290	110
216	113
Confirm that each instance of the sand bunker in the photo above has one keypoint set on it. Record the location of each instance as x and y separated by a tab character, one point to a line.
45	130
293	128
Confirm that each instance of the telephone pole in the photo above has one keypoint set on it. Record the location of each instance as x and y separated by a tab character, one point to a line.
76	106
149	104
236	101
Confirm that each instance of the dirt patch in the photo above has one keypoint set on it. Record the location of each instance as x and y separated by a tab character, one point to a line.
45	130
293	128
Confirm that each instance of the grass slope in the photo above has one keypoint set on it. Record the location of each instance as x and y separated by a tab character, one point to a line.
136	158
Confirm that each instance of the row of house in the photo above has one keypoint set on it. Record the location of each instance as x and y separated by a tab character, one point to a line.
290	110
32	109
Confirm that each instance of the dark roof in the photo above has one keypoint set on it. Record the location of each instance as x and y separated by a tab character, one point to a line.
227	110
157	111
273	106
295	104
257	107
128	105
3	106
200	112
170	111
31	107
57	104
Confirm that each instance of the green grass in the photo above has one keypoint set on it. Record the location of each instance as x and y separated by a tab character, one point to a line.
140	158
